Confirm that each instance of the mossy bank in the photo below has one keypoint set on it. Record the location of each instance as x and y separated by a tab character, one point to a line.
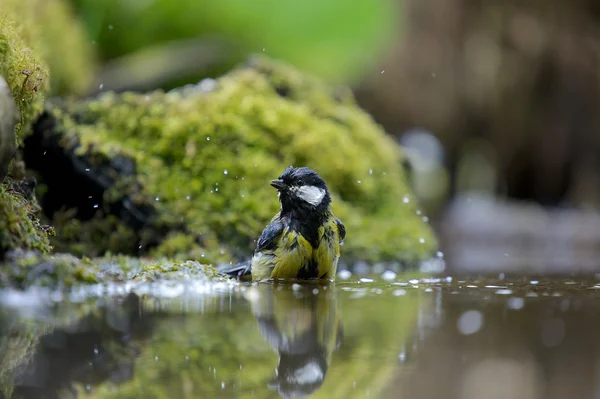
43	51
185	173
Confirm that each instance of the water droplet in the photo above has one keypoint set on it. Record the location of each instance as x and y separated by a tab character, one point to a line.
140	247
315	291
370	171
225	172
440	255
501	276
383	71
208	138
88	388
399	292
470	322
402	357
87	169
406	200
187	357
202	254
366	280
222	384
425	219
515	303
422	240
101	86
110	27
344	274
413	281
95	350
388	275
534	282
418	212
358	181
96	206
156	358
217	189
504	292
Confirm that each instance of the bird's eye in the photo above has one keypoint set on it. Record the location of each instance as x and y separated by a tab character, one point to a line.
300	182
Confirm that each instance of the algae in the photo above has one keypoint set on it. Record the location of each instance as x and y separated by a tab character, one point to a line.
202	156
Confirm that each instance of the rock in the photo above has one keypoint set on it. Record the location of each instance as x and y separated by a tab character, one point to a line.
8	119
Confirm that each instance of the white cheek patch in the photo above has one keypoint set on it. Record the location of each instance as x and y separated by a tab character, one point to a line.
311	194
308	374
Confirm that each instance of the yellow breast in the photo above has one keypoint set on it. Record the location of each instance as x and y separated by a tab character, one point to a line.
294	253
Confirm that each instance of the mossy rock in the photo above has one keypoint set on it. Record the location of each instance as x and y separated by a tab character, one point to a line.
23	269
40	39
194	165
19	225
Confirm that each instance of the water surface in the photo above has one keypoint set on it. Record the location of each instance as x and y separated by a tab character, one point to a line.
385	337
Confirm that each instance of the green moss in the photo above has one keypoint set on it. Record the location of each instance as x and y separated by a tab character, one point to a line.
24	269
24	71
40	39
19	226
204	159
75	236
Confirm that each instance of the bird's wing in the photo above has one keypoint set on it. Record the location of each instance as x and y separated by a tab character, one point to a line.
341	230
268	238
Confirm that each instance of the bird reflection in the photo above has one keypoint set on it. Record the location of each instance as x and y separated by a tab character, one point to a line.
302	324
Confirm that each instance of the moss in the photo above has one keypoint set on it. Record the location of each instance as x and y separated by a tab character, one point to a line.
24	269
204	155
24	71
19	226
40	39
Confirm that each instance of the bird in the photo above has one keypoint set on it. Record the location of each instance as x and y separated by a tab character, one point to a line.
303	240
305	330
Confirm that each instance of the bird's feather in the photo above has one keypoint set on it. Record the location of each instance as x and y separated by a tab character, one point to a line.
341	230
268	238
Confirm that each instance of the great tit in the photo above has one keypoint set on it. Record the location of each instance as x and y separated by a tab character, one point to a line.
304	328
303	239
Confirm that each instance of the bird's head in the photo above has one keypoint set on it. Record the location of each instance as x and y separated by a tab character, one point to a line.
301	189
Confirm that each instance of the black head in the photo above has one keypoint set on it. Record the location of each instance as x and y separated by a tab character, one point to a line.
299	375
302	189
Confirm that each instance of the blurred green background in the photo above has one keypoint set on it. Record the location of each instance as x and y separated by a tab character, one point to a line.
336	40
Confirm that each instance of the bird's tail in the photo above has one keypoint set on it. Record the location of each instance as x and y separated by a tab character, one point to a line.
240	271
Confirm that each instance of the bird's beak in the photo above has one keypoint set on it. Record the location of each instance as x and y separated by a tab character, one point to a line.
278	184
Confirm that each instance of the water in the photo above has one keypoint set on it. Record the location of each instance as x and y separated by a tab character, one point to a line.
386	338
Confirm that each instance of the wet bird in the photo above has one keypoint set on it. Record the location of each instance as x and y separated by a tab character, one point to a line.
303	239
